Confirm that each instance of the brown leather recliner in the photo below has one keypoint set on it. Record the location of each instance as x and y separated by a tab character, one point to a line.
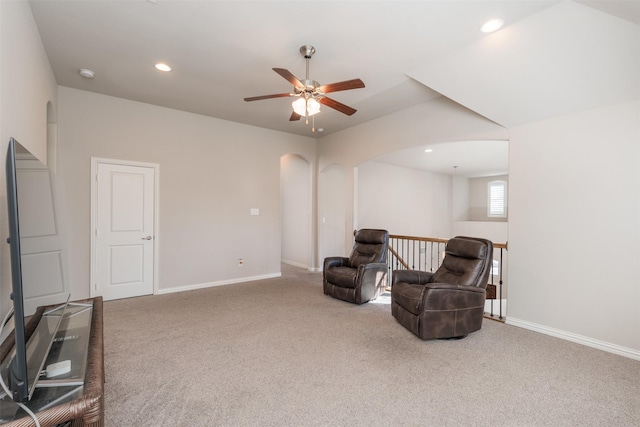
450	302
361	277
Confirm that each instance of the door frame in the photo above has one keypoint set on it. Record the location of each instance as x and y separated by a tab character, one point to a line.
95	161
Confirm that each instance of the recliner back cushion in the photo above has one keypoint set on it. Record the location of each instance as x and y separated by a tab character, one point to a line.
458	271
370	246
462	264
466	248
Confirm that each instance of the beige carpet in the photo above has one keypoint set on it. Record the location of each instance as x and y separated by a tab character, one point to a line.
279	352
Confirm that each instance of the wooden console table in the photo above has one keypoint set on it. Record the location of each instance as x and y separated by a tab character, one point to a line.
87	409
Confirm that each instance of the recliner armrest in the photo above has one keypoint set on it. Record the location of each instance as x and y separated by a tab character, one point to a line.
415	277
461	288
369	272
373	266
445	296
370	279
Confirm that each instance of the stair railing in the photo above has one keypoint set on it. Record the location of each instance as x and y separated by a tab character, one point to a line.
427	253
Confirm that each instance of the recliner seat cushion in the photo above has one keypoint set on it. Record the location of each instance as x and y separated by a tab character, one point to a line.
345	277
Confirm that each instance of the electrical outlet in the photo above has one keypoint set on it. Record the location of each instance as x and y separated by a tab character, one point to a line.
240	262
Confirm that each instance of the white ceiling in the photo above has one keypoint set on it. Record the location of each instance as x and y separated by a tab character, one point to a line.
470	159
224	51
564	59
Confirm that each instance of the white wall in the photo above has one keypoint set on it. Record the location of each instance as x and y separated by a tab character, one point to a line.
408	202
332	208
494	231
28	83
460	199
212	172
295	201
26	86
574	226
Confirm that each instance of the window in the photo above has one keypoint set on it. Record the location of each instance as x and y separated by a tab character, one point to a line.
497	204
495	268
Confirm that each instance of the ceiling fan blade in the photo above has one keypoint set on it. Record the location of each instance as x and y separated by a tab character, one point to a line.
337	106
258	98
294	116
289	77
346	85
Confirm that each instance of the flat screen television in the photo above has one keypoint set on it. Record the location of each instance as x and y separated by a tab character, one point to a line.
17	375
30	352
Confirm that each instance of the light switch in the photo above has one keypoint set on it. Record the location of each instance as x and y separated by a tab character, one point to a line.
255	211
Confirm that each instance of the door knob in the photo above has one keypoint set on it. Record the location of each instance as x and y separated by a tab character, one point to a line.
147	238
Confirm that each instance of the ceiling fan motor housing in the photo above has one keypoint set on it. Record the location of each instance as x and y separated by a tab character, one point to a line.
307	51
310	87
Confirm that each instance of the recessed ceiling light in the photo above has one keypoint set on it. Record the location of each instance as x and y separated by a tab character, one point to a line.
428	150
86	73
492	25
162	67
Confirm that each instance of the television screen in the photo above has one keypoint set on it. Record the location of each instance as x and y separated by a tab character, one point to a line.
17	375
30	204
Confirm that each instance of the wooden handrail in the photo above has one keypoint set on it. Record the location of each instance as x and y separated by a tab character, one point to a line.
405	264
422	239
436	240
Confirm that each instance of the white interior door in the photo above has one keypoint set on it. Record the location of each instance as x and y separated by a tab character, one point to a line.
124	236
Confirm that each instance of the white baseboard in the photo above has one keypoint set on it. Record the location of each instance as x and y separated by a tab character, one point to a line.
218	283
580	339
297	264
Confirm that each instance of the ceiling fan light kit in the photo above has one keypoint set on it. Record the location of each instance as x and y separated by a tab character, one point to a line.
310	93
306	107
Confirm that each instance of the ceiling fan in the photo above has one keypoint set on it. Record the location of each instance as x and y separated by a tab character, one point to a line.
310	93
